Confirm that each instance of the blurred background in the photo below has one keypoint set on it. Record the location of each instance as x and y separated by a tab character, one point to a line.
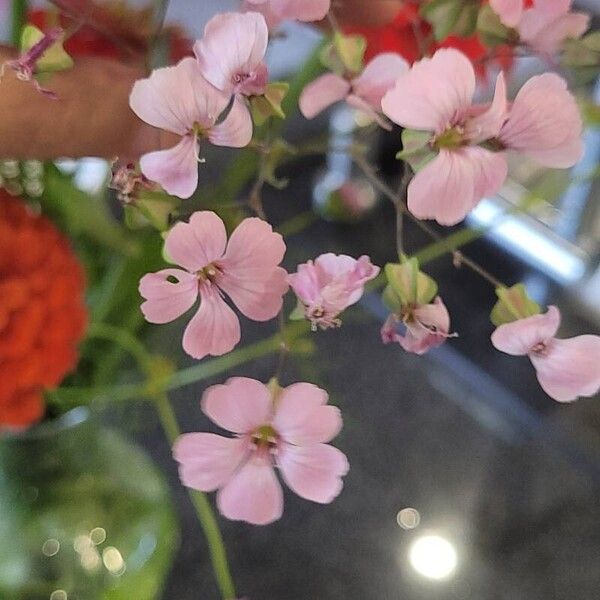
467	482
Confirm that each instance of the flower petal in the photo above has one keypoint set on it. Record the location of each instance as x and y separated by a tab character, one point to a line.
509	11
165	300
214	329
174	98
488	124
240	405
378	77
236	130
570	368
432	93
313	472
301	10
175	169
232	44
251	277
448	187
253	494
322	93
208	461
521	336
302	417
544	122
196	244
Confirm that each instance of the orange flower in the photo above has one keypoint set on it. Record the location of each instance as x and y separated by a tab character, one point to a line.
42	311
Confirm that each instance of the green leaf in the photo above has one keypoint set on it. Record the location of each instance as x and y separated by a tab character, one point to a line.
416	150
54	59
83	214
451	17
513	304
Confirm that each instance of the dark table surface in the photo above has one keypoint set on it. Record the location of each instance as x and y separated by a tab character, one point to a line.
463	435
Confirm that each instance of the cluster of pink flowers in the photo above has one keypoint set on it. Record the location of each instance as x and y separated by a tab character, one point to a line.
545	26
462	152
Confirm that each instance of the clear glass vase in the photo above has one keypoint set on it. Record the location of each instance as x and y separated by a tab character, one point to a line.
84	515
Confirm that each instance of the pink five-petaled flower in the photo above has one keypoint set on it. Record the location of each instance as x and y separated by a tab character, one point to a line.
231	53
566	369
246	269
179	100
435	96
544	123
276	11
427	327
363	92
329	285
287	427
546	25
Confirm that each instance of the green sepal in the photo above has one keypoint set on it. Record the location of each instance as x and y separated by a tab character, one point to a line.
298	313
54	59
491	31
269	104
391	300
583	56
152	208
513	304
409	283
451	17
345	55
351	50
416	150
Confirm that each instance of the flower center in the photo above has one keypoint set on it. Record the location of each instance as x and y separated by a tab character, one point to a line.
452	138
540	348
209	273
265	438
240	78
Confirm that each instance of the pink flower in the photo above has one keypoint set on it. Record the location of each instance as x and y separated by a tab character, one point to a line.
247	271
363	92
566	369
509	11
427	327
329	285
179	100
231	53
435	96
544	123
276	11
545	26
288	429
25	66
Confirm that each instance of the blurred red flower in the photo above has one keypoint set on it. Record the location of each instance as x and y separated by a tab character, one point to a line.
42	311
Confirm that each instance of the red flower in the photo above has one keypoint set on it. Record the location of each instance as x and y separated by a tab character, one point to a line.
42	311
408	34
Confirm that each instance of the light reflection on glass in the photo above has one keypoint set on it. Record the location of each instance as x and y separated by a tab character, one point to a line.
50	547
433	557
58	595
98	535
113	561
408	518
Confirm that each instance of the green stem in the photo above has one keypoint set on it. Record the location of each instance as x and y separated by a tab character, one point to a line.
18	19
204	511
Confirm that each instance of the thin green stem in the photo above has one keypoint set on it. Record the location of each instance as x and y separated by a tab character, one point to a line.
124	339
18	19
204	511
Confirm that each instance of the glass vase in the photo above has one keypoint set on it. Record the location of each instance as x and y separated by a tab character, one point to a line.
84	515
